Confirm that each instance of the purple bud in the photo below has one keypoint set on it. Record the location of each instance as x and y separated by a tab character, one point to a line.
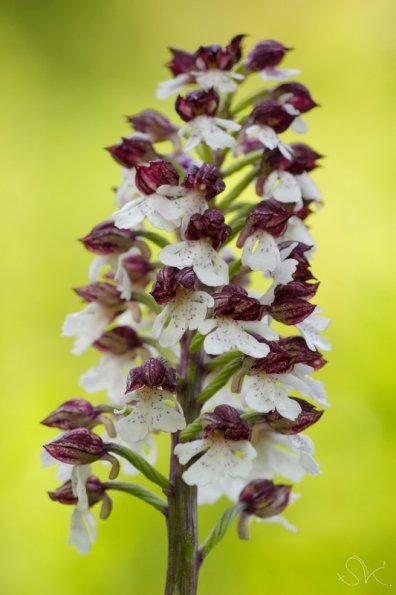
278	360
197	103
105	294
138	269
154	124
155	174
227	420
298	349
300	96
75	413
182	62
288	307
272	114
209	225
106	238
132	151
264	499
303	159
295	290
118	341
206	180
268	215
152	373
234	301
77	447
266	54
308	416
169	279
64	494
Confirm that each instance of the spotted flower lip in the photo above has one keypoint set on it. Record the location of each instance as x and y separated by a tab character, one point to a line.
152	373
77	447
66	495
118	341
234	301
228	421
155	174
154	124
269	216
209	225
102	293
132	151
205	179
197	103
295	94
105	238
168	280
72	414
308	416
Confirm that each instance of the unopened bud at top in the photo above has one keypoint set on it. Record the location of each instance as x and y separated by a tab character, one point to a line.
197	103
296	94
106	238
152	373
132	151
226	420
103	293
263	498
266	54
209	225
234	301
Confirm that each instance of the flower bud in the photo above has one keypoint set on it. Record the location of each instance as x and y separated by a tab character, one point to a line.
208	225
227	420
290	311
152	373
215	56
234	301
138	269
263	498
77	447
268	215
303	159
297	348
103	293
75	413
65	495
308	416
197	103
106	238
206	180
272	114
118	341
295	290
168	280
278	360
181	63
132	151
155	174
154	124
300	98
266	54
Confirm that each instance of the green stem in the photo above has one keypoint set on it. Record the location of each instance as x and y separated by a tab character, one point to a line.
147	300
139	492
237	190
221	380
183	559
249	99
219	530
141	464
248	160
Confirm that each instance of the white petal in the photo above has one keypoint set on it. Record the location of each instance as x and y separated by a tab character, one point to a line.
276	74
133	427
127	190
86	326
283	186
81	534
279	519
260	252
187	450
109	375
130	215
299	125
308	187
167	88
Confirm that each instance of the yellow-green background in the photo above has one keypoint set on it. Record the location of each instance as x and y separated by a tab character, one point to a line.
69	72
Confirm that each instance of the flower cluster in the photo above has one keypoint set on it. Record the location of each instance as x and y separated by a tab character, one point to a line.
186	347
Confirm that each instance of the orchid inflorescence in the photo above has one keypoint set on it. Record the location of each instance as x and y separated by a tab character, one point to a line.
187	349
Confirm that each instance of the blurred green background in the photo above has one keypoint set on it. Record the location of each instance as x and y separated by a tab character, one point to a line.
70	71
